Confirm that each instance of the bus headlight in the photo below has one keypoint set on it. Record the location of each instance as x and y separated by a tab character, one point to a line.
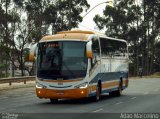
83	85
38	85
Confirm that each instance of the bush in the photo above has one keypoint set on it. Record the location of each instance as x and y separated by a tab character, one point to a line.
2	69
156	74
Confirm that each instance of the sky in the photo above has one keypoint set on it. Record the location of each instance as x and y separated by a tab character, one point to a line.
88	23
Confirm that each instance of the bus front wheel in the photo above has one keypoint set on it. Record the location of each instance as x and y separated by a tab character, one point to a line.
97	96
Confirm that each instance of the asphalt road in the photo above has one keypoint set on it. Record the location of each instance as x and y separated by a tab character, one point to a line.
142	96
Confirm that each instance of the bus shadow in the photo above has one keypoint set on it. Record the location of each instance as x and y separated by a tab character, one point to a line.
89	100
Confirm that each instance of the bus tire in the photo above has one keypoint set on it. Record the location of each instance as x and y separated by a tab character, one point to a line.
97	97
119	91
53	100
112	94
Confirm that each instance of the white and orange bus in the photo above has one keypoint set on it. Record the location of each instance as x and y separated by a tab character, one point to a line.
79	64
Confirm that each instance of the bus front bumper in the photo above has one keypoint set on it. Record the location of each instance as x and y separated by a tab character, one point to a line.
62	94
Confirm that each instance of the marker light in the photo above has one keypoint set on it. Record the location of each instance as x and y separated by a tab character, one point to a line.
82	92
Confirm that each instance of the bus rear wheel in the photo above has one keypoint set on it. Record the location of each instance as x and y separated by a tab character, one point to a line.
53	100
118	92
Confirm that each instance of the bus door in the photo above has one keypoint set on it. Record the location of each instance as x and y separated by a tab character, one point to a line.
95	61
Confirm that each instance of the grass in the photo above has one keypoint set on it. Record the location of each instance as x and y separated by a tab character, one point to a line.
155	75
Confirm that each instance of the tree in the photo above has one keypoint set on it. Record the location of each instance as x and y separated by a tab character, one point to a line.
139	25
65	14
58	15
7	30
157	57
120	21
25	20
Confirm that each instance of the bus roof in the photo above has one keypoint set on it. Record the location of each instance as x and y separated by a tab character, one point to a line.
76	31
78	35
72	35
106	37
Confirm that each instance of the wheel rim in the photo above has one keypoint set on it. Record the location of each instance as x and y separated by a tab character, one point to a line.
120	88
97	93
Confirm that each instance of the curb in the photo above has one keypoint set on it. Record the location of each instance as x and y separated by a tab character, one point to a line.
17	85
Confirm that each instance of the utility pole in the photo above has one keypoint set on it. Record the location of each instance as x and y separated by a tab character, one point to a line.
95	7
70	10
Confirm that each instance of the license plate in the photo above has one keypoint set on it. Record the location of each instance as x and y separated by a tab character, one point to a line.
60	93
60	83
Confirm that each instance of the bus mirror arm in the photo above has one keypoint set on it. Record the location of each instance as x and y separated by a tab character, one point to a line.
89	52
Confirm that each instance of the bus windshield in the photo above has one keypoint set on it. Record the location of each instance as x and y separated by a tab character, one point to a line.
61	59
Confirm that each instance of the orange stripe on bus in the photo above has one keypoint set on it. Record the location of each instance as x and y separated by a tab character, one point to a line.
70	36
105	85
110	84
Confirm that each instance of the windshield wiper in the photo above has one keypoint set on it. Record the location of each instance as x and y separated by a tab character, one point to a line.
69	70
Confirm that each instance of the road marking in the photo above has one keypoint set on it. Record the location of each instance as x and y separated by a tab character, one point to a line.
98	110
118	103
133	98
146	93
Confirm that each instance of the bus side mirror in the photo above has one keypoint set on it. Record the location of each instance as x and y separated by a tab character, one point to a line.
30	53
89	52
26	52
33	52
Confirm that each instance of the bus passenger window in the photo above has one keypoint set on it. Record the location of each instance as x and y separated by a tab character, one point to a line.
120	49
107	48
96	51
